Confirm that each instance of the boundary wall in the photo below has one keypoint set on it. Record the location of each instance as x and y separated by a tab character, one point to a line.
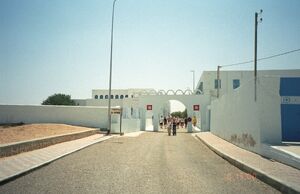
237	118
72	115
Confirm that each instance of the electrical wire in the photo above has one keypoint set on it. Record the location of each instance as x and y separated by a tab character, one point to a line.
260	59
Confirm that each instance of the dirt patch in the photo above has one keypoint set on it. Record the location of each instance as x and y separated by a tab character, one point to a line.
10	134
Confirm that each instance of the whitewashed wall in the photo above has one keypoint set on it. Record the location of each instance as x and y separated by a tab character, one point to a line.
127	125
234	117
237	115
73	115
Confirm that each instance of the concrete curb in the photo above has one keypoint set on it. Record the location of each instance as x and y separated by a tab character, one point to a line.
272	181
25	146
32	168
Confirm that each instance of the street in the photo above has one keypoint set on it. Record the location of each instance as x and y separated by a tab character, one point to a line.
150	163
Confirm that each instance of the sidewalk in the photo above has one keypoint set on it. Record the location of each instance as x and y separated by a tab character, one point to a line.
13	166
280	176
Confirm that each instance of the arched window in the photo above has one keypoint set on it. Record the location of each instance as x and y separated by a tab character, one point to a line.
121	97
106	96
117	96
126	96
111	96
101	97
96	96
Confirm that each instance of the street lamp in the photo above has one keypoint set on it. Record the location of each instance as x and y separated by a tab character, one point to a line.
110	68
193	80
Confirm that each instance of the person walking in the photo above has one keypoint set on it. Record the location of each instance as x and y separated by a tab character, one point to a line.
169	128
174	124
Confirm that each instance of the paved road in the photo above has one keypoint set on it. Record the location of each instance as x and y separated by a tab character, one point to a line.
150	163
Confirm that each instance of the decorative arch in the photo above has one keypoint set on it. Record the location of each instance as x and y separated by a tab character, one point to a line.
188	92
152	92
179	90
161	92
167	93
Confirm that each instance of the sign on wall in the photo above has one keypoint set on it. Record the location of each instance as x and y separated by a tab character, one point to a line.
196	107
149	107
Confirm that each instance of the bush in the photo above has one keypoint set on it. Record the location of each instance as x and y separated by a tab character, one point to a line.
59	99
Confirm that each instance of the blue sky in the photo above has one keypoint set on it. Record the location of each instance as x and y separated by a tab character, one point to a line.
52	46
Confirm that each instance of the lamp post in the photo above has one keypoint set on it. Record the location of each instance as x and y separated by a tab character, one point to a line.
110	68
193	80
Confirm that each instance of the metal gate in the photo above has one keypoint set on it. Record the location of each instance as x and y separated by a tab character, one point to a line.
290	109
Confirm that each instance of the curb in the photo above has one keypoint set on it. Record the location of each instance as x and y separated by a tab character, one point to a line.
29	145
272	181
27	171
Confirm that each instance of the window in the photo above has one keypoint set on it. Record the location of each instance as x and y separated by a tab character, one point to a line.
111	96
96	96
235	83
131	96
216	84
101	97
126	96
121	97
117	96
106	96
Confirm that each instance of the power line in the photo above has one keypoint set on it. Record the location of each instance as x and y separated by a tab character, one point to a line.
260	59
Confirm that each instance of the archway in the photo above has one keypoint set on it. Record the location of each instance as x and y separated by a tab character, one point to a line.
170	111
196	105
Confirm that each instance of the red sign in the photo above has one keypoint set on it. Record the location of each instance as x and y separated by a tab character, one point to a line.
196	107
149	107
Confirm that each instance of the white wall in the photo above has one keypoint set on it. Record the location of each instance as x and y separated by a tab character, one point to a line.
269	105
73	115
127	126
234	117
236	113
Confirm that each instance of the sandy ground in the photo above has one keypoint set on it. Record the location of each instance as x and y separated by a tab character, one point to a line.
9	134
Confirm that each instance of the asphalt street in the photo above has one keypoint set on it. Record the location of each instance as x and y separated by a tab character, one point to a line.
150	163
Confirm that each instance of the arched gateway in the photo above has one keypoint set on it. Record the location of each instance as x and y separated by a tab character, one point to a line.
150	106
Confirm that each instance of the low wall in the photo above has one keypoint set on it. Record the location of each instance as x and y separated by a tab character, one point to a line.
25	146
73	115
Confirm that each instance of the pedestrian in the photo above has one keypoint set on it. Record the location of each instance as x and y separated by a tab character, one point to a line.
174	127
185	122
165	122
169	129
161	120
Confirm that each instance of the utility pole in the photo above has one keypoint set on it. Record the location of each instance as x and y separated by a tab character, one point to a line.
218	80
110	69
255	52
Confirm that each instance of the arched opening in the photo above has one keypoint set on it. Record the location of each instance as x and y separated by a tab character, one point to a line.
171	115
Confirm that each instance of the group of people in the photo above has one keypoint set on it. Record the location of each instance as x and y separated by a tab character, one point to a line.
172	124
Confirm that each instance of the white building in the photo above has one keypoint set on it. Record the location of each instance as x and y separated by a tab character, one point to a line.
232	80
